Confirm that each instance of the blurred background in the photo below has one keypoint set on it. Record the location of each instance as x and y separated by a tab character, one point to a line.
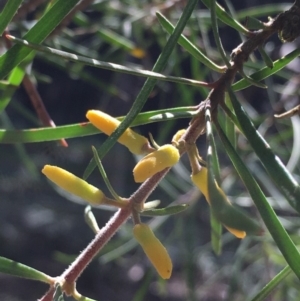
43	227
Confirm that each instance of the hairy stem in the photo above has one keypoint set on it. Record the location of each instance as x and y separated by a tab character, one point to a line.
101	238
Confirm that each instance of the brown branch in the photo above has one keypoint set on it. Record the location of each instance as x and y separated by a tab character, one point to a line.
102	237
70	276
39	106
286	24
49	295
290	113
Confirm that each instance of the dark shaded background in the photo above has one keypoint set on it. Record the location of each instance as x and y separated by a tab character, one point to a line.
40	228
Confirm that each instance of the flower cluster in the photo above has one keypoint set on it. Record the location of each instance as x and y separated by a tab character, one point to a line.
156	160
164	157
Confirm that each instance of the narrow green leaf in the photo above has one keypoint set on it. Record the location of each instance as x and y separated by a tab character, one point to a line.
229	125
262	10
9	10
251	80
115	39
106	65
253	23
214	170
90	219
84	298
36	34
188	45
14	268
15	78
5	85
216	234
103	174
58	294
229	215
165	211
215	29
264	293
279	234
147	87
225	17
86	128
215	224
265	57
272	163
266	71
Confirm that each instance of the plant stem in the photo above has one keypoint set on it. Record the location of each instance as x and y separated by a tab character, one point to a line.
49	295
102	237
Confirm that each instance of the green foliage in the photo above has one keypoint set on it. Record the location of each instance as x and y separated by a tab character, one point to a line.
185	96
14	268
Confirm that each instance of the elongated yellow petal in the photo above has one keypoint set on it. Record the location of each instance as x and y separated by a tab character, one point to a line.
223	209
237	233
155	251
166	156
200	180
73	184
107	124
178	135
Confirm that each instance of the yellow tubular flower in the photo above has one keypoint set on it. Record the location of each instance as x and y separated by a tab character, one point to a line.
107	124
166	156
237	233
155	251
200	180
73	184
178	135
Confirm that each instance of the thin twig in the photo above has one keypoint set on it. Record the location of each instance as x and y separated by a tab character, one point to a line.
102	237
289	113
36	99
39	106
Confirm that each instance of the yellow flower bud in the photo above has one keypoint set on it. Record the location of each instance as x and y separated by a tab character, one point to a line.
73	184
155	251
178	135
200	180
237	233
107	124
166	156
